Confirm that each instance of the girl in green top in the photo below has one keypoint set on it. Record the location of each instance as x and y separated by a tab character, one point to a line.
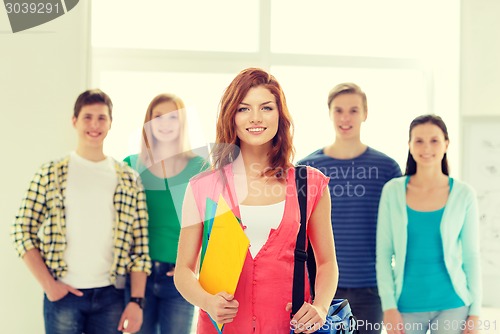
165	164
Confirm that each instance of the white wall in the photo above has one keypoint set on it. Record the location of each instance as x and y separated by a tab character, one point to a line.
480	96
480	58
42	71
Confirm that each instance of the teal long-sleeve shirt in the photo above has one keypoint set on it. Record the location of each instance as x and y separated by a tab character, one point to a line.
460	235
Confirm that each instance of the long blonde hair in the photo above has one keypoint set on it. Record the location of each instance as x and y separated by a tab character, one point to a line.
149	141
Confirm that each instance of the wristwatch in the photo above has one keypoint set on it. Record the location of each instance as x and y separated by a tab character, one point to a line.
139	301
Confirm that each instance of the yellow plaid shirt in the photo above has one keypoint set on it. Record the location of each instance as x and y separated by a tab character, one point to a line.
40	222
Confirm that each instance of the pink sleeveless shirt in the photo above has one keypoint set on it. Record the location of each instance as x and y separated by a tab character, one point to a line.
265	284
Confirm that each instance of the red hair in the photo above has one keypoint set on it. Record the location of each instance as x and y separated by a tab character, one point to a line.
225	151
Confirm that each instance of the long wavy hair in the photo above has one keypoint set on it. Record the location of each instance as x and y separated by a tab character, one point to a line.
148	139
411	164
227	142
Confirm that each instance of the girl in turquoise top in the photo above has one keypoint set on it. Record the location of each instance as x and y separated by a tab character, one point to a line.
427	242
165	164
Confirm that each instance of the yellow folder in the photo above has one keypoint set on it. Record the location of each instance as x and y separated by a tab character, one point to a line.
225	253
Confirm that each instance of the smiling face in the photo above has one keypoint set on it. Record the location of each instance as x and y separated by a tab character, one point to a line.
257	118
165	123
92	125
348	113
428	145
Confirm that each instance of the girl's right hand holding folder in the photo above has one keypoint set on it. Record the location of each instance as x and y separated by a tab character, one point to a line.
222	307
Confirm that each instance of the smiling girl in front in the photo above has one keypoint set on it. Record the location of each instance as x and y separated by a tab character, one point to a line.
428	224
252	170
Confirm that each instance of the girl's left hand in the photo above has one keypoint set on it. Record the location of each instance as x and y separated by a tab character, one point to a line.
308	319
471	325
171	272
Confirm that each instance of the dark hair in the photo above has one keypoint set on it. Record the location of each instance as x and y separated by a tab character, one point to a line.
411	164
92	96
282	150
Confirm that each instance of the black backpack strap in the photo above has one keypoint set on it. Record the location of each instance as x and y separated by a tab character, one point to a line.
311	268
300	246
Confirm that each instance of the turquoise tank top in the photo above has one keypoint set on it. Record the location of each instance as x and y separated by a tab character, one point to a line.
427	285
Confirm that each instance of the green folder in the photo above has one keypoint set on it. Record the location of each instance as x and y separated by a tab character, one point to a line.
210	208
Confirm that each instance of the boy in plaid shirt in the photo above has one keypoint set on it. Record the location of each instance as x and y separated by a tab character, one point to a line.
81	227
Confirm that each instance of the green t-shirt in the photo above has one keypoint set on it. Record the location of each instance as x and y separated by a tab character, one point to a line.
164	198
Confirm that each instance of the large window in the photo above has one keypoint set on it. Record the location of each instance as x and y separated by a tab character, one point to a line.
176	25
392	29
388	109
403	54
132	91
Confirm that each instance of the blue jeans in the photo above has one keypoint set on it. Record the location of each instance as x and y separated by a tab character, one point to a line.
451	321
365	306
98	311
166	311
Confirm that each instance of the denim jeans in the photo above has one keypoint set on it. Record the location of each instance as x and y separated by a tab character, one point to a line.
166	311
451	321
365	306
98	311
